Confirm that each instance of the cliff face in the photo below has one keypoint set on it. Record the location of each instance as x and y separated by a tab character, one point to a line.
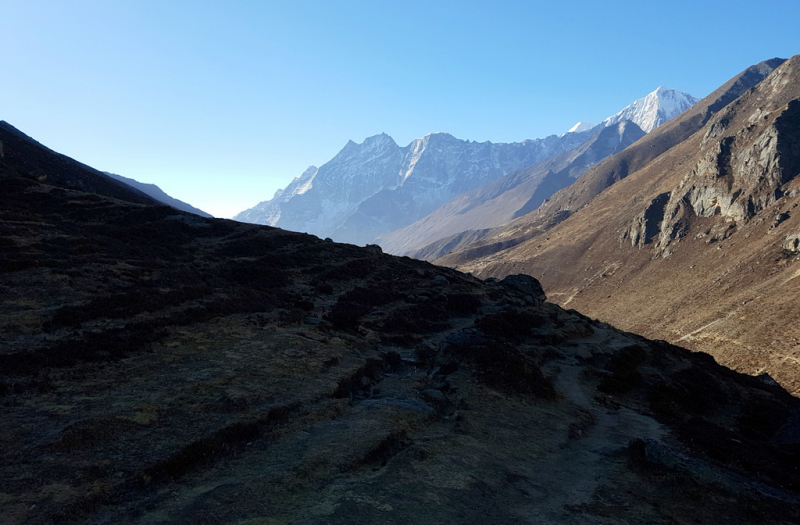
742	171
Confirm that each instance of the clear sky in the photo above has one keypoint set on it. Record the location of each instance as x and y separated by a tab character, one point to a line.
220	103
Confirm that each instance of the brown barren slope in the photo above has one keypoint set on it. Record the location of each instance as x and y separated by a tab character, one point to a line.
696	247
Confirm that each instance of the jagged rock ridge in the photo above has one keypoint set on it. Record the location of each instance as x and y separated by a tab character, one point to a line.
376	187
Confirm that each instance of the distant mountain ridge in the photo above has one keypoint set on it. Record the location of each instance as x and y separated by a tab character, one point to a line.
376	187
158	194
508	197
475	245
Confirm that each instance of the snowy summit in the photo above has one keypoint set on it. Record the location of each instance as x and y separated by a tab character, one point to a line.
653	110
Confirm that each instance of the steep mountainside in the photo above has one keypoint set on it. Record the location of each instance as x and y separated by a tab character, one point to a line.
697	247
511	196
475	244
376	187
160	367
158	194
26	157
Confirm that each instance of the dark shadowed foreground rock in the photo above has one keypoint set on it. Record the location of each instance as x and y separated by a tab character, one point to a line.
525	284
159	367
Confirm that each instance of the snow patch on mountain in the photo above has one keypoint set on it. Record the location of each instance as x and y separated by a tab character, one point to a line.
580	126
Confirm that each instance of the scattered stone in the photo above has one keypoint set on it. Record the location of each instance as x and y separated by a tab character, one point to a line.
779	218
792	243
434	395
789	433
405	404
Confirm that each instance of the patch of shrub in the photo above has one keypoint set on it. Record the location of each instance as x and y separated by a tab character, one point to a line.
324	288
505	368
351	306
261	243
353	385
692	390
346	315
513	324
463	303
421	318
668	400
624	373
382	452
107	345
761	418
257	273
127	304
17	265
352	269
223	442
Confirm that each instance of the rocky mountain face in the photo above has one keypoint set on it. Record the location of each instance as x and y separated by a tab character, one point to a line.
376	187
697	246
161	367
476	244
158	194
655	109
508	197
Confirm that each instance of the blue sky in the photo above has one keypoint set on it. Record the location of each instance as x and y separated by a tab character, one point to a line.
222	103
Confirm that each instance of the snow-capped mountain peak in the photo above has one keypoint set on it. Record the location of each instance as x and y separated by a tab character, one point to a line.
654	109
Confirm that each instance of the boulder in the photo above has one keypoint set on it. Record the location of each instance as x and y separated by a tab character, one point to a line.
525	284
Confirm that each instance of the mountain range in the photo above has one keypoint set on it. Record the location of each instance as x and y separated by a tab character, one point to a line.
371	189
161	367
508	197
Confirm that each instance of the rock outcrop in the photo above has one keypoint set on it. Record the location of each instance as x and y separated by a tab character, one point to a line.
742	172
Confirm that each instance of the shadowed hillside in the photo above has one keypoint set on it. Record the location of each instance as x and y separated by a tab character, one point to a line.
160	367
